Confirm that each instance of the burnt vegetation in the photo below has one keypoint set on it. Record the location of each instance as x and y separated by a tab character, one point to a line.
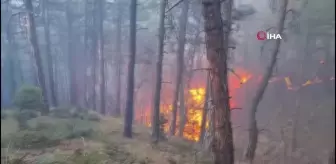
167	82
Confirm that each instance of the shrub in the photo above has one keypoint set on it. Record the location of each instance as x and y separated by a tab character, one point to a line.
93	116
23	116
29	97
26	139
46	131
62	112
83	114
68	112
78	157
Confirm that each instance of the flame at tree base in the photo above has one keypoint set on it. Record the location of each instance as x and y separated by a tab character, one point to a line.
194	104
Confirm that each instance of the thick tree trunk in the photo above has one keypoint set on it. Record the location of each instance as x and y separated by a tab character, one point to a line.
71	56
217	54
131	66
180	62
253	130
46	23
117	111
158	81
205	111
36	51
101	54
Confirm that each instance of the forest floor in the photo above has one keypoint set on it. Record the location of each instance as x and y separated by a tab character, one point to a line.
55	140
107	145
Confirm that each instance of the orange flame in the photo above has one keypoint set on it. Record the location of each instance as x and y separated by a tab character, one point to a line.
195	99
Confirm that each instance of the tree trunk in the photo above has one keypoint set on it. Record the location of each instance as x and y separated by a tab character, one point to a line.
117	111
180	62
158	81
46	24
217	54
101	54
36	51
94	55
331	159
86	45
71	56
131	66
210	116
10	73
253	130
182	113
205	111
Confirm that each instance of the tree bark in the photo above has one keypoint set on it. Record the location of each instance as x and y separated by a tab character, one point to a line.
11	64
205	111
117	111
94	55
46	24
180	62
86	48
36	51
217	54
131	66
158	81
71	56
253	129
102	58
182	113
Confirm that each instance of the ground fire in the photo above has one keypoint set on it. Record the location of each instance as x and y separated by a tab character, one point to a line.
194	101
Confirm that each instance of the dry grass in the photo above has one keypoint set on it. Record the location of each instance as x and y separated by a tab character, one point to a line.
113	147
140	146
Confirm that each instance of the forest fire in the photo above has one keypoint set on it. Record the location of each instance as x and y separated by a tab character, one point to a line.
195	98
194	104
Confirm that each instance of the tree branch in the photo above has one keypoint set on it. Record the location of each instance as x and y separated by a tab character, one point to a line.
177	3
201	69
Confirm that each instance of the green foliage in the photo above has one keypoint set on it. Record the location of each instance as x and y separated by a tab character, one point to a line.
26	139
78	157
93	116
23	116
75	113
8	126
29	97
62	112
46	131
